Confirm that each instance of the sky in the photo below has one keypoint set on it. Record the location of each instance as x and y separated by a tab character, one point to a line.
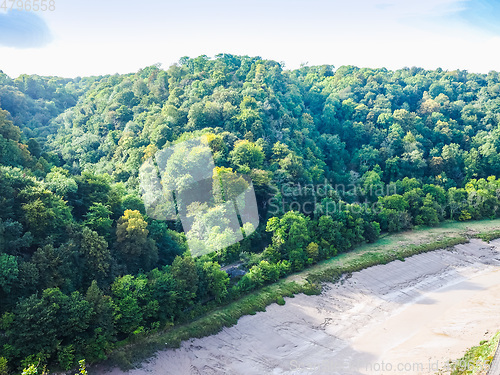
82	38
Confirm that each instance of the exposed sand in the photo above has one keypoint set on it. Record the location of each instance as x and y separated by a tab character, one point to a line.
401	318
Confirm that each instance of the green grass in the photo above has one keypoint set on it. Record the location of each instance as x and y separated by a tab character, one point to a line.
386	249
476	360
488	236
361	260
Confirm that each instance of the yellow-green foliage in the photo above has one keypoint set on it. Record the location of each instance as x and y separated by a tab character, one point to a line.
476	361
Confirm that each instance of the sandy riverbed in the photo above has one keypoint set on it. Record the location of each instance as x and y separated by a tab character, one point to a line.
401	318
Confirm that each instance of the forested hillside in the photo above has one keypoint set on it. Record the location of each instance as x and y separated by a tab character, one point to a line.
336	156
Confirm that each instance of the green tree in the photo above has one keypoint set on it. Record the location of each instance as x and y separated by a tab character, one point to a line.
9	272
164	289
43	324
98	219
290	237
371	231
55	267
246	154
59	182
186	277
135	249
7	129
44	213
128	293
96	255
12	238
216	280
92	189
101	324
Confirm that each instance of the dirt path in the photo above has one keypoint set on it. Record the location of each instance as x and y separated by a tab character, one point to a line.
400	318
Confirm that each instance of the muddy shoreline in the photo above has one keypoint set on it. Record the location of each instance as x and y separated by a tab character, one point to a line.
412	316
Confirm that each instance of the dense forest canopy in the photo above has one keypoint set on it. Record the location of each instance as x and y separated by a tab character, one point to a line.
336	156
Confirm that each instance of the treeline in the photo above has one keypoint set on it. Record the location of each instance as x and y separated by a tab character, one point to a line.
83	267
311	123
33	101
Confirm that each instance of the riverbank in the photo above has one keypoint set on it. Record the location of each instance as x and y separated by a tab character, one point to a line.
227	364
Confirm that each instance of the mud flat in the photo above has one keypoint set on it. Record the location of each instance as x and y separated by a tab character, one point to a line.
406	317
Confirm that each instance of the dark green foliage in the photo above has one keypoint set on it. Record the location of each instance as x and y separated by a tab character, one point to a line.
101	327
170	243
43	323
186	277
98	219
54	267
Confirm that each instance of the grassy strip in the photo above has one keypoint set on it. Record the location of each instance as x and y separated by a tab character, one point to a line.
209	324
333	272
226	316
476	360
488	236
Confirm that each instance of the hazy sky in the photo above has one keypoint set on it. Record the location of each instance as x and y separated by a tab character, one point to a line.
99	37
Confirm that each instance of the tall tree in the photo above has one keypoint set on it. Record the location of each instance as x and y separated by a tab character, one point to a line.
135	249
